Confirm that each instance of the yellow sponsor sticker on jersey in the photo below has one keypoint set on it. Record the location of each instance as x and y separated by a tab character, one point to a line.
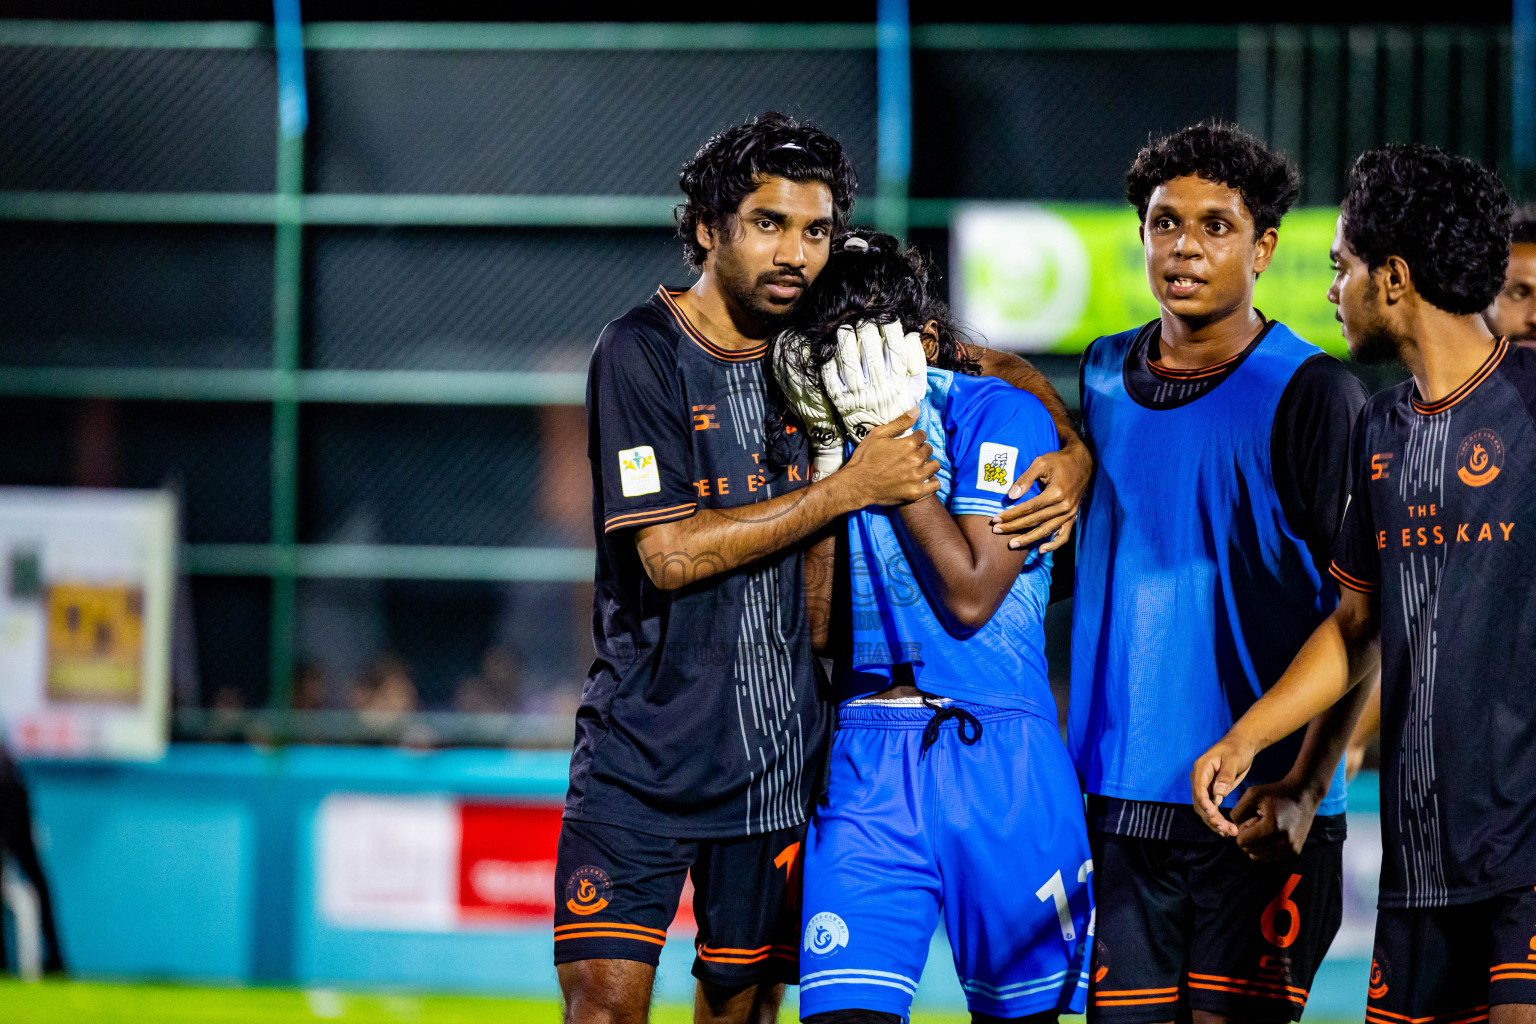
998	463
637	471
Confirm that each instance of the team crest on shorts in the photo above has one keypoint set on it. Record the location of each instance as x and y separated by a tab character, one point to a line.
1379	968
1480	458
587	891
825	933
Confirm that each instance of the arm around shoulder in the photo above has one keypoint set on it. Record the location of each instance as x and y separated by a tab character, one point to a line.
883	470
1063	475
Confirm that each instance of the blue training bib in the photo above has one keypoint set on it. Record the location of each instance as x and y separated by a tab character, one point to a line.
1193	593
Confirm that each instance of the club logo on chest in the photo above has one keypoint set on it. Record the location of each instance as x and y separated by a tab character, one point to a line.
1480	458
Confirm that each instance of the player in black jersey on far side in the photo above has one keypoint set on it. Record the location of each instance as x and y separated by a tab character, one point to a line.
1512	314
1437	561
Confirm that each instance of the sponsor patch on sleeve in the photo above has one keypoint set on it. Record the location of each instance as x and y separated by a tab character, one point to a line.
998	465
637	471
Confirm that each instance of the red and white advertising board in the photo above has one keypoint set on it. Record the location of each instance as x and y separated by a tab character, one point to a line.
441	864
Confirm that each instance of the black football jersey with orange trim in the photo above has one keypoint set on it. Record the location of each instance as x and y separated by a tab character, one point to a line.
703	714
1441	525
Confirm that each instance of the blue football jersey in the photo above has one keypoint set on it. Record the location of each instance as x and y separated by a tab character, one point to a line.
984	432
1193	592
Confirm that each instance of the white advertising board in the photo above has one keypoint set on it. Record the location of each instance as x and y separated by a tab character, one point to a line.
85	621
389	862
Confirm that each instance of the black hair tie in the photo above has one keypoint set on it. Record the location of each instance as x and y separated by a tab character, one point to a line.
968	725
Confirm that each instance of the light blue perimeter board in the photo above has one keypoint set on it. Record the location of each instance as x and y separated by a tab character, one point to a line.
200	867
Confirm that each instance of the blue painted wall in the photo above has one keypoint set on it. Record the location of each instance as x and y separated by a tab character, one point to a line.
201	867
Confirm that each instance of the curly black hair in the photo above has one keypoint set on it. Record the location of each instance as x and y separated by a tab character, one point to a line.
1447	217
731	165
877	281
871	278
1268	181
1524	228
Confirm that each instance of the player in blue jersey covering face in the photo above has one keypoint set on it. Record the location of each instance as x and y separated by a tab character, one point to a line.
950	791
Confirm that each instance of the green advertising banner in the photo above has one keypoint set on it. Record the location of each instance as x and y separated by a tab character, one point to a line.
1052	277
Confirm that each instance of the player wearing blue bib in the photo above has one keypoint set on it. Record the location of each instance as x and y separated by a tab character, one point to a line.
950	792
1222	441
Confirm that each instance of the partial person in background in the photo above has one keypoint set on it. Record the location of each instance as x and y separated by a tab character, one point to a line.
16	841
495	689
386	688
1513	311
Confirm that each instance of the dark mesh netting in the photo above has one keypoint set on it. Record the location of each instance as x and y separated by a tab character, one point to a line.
1060	125
213	456
135	295
572	122
476	476
230	618
477	298
137	120
1032	123
443	645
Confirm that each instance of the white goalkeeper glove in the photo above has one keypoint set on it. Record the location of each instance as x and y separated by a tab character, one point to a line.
879	374
792	369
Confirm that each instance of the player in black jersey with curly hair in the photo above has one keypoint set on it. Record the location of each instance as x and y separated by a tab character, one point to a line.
1437	561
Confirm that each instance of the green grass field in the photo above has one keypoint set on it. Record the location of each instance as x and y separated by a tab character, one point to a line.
99	1003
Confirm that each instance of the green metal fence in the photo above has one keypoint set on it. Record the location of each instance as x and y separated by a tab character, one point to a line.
1321	93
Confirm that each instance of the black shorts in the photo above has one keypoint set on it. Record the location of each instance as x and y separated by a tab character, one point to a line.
1449	964
1197	925
616	891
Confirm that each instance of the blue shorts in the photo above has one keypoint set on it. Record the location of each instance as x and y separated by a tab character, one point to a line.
991	834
